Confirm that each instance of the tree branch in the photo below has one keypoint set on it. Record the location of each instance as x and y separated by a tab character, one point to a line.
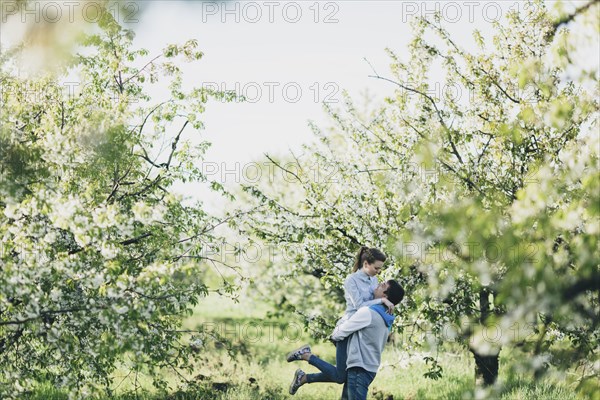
49	312
143	68
135	239
284	169
468	181
568	18
583	285
174	144
425	95
498	86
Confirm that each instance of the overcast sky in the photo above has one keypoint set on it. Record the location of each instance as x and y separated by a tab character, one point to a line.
286	69
289	57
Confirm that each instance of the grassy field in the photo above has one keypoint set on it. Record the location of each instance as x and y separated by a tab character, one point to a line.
259	370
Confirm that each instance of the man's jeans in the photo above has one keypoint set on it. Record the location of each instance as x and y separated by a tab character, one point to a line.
357	384
331	373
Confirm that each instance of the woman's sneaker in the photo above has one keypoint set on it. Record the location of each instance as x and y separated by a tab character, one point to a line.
296	355
297	381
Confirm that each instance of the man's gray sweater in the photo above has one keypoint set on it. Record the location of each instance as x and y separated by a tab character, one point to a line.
369	337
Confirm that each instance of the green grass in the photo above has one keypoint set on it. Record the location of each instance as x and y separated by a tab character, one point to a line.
259	370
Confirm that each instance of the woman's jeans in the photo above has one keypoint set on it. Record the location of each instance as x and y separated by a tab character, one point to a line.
330	373
357	384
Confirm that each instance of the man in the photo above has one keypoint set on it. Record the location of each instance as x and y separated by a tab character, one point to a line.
369	328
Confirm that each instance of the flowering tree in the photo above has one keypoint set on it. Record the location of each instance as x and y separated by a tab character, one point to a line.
99	258
439	181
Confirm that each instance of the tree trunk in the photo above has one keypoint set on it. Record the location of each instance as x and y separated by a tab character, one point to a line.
486	365
486	369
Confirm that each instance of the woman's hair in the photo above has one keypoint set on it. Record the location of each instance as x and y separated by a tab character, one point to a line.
368	255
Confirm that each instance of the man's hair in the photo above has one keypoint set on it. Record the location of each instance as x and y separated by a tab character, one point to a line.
394	292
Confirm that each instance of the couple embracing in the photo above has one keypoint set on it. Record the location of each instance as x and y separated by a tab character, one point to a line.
360	334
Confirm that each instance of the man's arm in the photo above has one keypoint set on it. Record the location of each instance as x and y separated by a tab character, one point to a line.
359	320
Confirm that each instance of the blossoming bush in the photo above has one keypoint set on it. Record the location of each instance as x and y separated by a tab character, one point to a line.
486	202
100	260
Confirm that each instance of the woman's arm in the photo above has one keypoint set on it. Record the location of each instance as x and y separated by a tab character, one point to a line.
355	295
